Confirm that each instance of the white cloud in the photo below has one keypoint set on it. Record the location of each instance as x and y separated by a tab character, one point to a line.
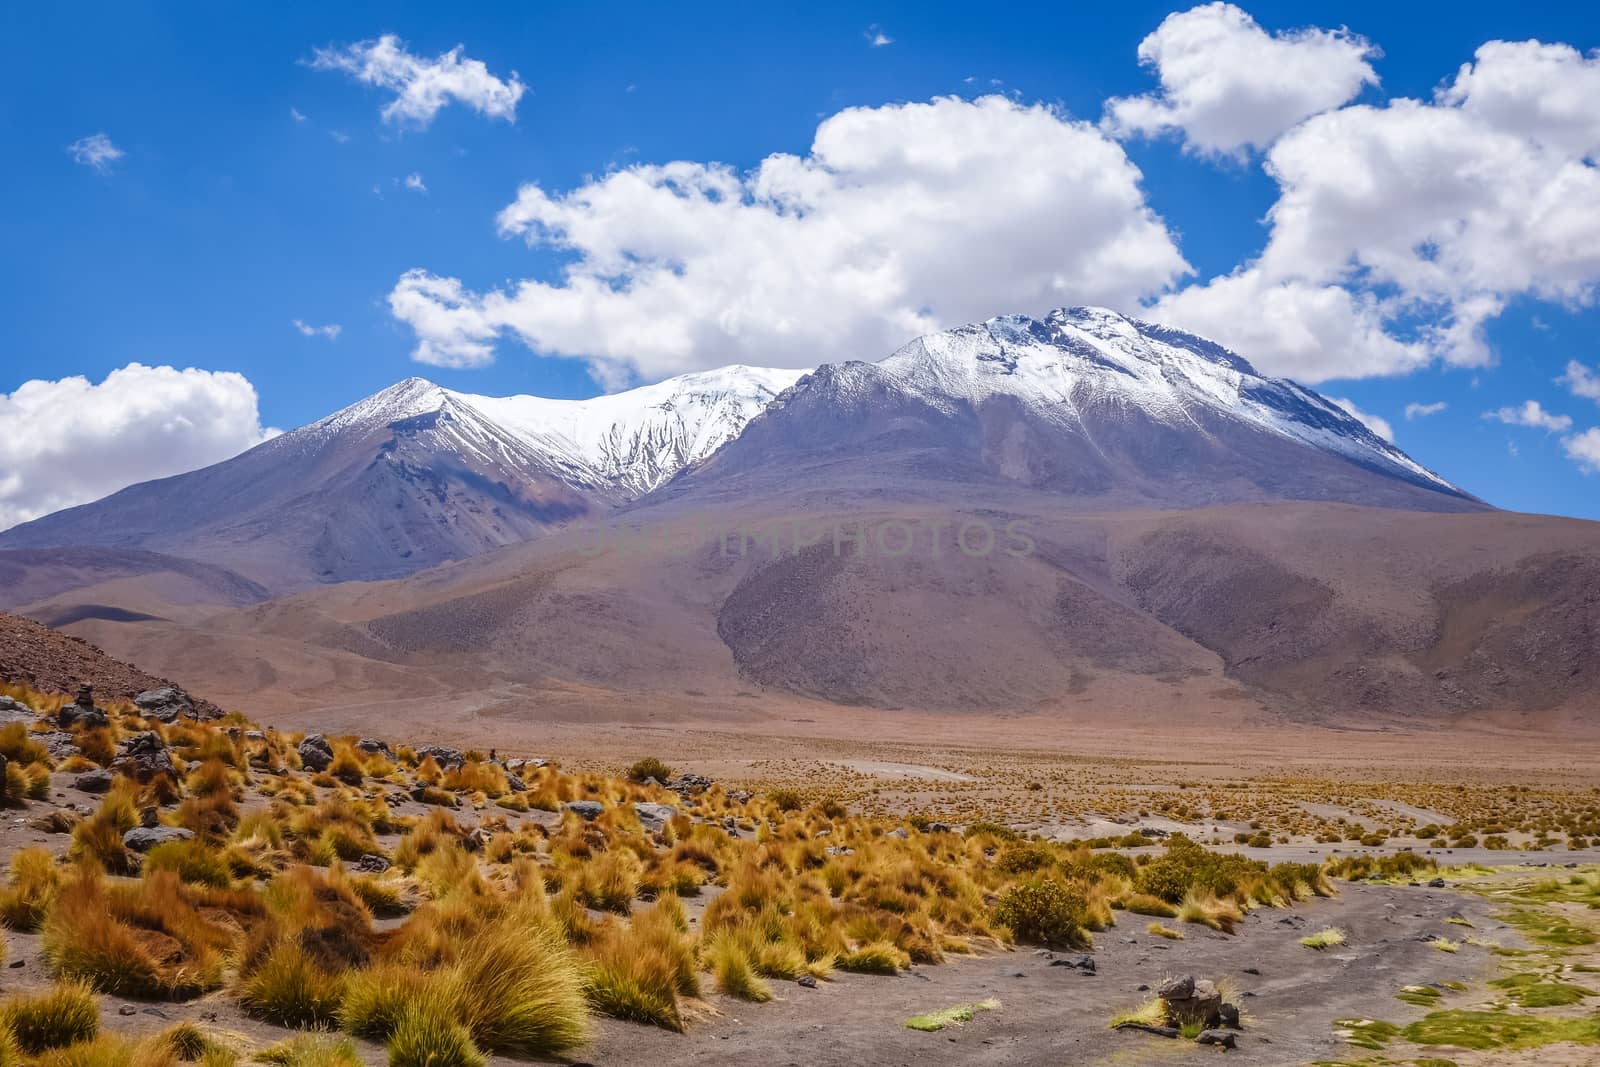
95	151
1401	231
330	331
423	87
1227	84
296	114
1584	450
70	441
414	183
1532	415
1581	380
1423	411
902	219
876	37
1377	425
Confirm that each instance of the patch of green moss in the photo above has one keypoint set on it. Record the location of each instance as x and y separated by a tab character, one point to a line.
1366	1033
1533	991
1499	1030
1548	928
1423	996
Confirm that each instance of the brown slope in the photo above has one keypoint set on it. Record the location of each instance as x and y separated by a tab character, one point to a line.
35	655
1331	612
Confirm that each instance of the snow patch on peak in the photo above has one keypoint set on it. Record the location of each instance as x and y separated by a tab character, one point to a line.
1077	356
638	439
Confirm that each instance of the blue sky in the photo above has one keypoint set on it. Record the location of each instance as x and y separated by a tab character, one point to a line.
256	188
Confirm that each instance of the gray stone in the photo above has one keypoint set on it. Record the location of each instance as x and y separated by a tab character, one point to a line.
1159	1031
95	781
373	746
653	817
145	838
584	809
372	863
1178	987
16	711
315	753
1222	1038
144	756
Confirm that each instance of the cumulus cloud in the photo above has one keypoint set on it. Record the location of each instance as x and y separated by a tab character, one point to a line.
1532	415
1423	411
901	219
70	441
1401	231
414	183
1582	381
877	38
330	331
423	87
1227	84
1377	425
1584	450
96	152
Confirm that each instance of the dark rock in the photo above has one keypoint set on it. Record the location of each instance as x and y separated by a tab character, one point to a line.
127	1009
18	963
1222	1038
446	758
806	981
315	753
584	809
144	756
1436	883
1229	1015
145	838
164	704
1159	1031
1252	970
372	746
95	781
1180	987
940	828
372	863
516	785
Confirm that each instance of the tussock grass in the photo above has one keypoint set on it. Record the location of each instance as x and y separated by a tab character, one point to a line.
65	1015
1151	1013
289	989
734	970
311	1050
1157	930
33	887
426	1038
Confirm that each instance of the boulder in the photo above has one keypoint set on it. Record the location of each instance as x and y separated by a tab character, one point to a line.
315	753
1221	1038
515	784
144	756
1191	1001
1143	1028
374	747
145	838
446	758
164	704
587	810
372	863
16	711
1229	1014
654	817
95	781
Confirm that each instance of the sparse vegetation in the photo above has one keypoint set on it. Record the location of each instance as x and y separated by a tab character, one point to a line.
1326	938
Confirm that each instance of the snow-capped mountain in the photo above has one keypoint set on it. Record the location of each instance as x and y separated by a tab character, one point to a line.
417	475
1085	405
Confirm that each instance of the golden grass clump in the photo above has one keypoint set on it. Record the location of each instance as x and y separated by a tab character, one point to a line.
32	889
428	1038
65	1015
289	988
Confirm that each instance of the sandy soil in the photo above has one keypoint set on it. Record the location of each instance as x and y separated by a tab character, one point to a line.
1057	1014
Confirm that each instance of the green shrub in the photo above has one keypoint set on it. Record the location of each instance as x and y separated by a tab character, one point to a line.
649	767
1045	911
